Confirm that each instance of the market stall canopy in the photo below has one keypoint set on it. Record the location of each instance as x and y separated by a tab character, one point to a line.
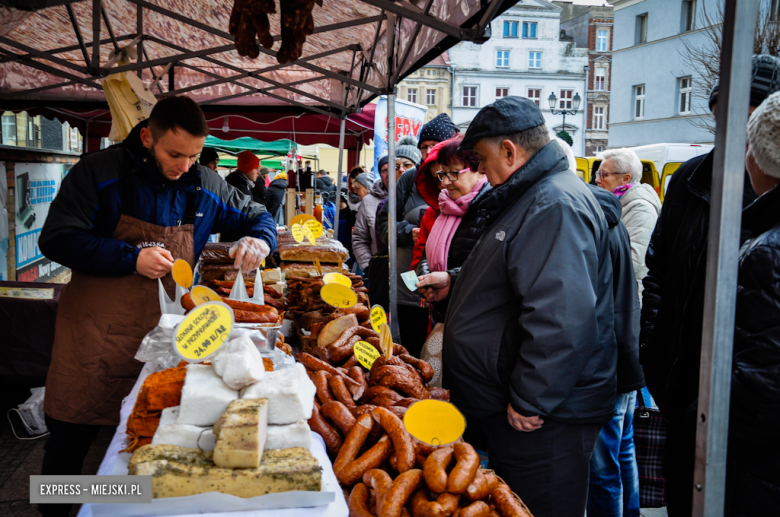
60	55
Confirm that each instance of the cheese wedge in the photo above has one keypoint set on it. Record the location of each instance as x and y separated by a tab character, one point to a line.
241	434
181	472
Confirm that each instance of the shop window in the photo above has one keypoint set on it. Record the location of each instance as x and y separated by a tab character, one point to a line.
469	96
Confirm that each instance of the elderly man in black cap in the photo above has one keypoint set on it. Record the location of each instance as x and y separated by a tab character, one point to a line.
673	299
529	346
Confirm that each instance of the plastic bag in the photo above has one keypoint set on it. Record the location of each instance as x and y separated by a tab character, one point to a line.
129	100
157	347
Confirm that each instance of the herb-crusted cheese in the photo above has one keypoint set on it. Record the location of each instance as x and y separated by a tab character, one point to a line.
241	434
181	472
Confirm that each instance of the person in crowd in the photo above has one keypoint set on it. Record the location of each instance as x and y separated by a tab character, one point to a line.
346	223
620	172
258	192
275	197
121	218
449	180
529	343
209	158
412	311
354	199
438	129
753	480
325	185
364	242
614	475
673	298
361	185
246	174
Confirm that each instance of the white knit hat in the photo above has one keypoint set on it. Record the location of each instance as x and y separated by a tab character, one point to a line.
764	135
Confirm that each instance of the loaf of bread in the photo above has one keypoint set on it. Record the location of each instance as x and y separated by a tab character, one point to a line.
329	251
217	253
307	269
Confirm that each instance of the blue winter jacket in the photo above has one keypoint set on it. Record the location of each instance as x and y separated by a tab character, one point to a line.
82	218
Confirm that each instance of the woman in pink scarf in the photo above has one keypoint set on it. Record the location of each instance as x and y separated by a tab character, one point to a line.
458	225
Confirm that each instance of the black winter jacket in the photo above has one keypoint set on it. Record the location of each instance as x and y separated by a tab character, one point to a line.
258	192
240	182
466	236
274	196
326	187
673	298
627	309
531	313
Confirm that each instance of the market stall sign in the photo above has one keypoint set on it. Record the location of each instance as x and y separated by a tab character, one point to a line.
315	226
27	293
366	353
338	296
378	318
337	278
182	273
297	233
301	218
202	294
434	422
204	330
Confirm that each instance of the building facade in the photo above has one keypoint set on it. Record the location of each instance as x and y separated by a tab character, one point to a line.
591	27
430	86
652	94
527	56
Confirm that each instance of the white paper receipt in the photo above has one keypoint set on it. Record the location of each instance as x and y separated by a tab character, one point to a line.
410	279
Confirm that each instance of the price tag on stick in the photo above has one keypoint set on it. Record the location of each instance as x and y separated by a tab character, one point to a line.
182	273
203	331
366	354
337	278
378	318
202	294
297	233
315	227
339	296
434	422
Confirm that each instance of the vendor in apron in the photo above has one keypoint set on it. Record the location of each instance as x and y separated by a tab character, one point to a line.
121	218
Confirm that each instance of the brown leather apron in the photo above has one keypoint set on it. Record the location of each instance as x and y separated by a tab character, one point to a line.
101	321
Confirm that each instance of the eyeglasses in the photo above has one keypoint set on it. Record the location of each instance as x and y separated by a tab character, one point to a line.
452	176
602	174
427	147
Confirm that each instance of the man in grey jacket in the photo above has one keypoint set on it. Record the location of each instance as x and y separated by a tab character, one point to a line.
364	242
529	347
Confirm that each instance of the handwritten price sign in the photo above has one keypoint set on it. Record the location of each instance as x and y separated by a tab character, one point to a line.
203	331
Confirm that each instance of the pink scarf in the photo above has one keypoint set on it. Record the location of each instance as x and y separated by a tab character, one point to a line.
437	248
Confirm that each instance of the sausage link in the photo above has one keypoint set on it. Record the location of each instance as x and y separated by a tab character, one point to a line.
381	396
443	506
476	509
379	481
187	303
402	440
399	492
329	434
483	485
370	459
311	362
358	502
340	391
435	469
352	361
506	503
338	413
465	469
348	334
425	369
342	353
352	444
323	390
357	374
362	410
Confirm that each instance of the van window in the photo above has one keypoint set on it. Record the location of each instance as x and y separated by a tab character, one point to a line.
647	175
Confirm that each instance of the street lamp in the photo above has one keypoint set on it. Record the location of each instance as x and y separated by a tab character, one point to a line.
575	103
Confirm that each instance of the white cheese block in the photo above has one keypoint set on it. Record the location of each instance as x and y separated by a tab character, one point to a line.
290	394
287	436
272	276
191	436
239	363
241	434
204	397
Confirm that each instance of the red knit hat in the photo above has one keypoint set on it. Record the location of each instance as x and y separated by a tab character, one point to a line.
247	161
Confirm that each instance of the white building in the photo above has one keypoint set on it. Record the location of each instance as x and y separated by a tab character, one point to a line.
526	56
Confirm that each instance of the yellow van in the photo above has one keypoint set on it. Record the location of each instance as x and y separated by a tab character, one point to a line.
649	173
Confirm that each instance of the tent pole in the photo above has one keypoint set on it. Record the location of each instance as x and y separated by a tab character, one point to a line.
709	483
391	222
139	28
337	201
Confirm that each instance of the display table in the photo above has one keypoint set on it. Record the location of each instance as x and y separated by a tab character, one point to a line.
113	461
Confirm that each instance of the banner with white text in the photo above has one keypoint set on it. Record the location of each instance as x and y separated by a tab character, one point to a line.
408	121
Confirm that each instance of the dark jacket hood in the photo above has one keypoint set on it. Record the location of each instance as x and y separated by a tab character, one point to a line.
426	185
326	179
280	183
609	203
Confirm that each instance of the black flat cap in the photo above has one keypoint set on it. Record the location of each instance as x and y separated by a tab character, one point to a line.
506	116
208	155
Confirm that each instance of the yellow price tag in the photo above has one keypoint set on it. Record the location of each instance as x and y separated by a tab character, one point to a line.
301	218
434	422
297	232
338	296
309	234
203	331
202	294
366	354
315	226
337	278
378	318
182	273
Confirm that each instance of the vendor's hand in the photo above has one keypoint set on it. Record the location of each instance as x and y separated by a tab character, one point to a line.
249	253
154	262
415	234
435	286
522	423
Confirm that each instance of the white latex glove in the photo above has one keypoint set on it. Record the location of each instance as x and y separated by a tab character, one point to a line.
249	253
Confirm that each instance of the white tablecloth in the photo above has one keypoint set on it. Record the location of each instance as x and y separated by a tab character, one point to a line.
338	508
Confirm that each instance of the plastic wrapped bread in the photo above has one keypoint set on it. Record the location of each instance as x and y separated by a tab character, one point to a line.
307	269
205	396
290	394
239	363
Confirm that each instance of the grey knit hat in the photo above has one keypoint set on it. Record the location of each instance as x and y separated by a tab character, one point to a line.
764	135
764	81
363	180
407	148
